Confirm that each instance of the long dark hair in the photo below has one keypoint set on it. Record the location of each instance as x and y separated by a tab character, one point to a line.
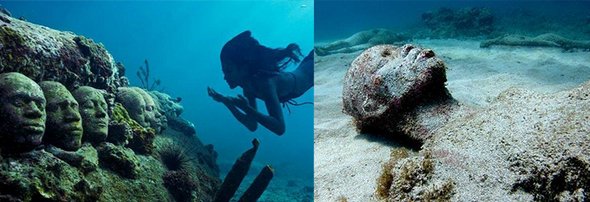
246	52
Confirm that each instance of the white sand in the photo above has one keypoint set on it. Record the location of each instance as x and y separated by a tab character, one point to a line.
347	164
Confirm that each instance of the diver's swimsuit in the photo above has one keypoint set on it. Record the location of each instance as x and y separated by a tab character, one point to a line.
305	70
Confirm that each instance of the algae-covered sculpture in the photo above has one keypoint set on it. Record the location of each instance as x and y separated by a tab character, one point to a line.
361	41
152	111
64	124
386	85
93	109
134	103
22	113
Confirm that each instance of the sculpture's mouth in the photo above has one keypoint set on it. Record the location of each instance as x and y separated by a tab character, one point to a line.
102	123
35	128
73	128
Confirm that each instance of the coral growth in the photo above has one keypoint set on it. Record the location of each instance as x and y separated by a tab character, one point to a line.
144	76
45	54
568	180
409	180
118	159
180	184
143	138
385	179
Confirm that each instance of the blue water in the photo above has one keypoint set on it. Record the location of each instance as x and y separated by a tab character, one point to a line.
340	19
182	42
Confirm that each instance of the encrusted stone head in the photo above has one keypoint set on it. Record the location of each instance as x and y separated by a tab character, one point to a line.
22	113
64	124
134	104
150	107
93	109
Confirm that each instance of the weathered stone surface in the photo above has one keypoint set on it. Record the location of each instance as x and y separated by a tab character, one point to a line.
39	176
386	83
171	109
525	146
22	113
44	54
119	160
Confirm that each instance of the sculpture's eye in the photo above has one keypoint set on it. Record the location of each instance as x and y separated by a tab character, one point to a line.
88	104
19	103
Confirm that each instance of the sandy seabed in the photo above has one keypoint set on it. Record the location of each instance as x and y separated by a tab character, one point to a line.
347	164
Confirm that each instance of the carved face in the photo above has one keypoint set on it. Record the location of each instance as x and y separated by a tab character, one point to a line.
22	112
64	125
93	109
134	104
152	110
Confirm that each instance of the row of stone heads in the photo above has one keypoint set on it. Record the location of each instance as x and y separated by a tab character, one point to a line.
32	114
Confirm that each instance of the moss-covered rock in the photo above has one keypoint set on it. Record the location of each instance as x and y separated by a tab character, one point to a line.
43	54
118	159
143	138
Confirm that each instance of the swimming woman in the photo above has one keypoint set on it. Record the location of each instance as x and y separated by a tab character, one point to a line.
258	70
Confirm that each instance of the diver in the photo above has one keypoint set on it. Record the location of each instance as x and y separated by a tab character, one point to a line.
259	71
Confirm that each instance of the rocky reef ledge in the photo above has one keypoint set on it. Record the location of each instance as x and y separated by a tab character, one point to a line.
157	158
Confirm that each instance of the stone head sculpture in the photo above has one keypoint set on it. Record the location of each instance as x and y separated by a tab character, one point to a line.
93	109
134	104
22	113
152	109
64	124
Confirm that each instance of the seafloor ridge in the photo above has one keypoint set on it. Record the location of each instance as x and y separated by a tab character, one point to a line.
453	115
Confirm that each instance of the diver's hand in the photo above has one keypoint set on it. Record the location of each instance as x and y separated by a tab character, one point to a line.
241	102
216	96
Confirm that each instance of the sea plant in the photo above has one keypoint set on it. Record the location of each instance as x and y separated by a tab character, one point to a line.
144	76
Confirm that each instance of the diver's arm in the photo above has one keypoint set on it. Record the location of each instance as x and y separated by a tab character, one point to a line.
245	119
231	103
274	121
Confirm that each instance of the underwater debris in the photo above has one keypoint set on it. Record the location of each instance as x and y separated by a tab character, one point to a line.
144	76
468	22
258	186
386	86
234	177
543	40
